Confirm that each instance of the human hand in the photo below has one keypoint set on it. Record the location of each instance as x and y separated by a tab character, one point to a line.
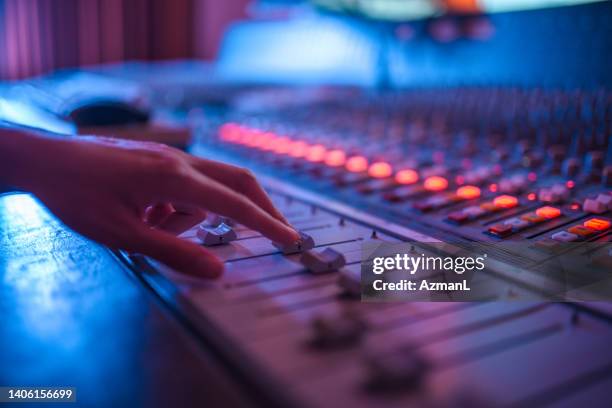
138	195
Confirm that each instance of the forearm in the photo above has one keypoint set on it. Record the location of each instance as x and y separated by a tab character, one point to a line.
22	157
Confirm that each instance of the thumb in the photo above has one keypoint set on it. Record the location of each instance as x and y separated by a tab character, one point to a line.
179	254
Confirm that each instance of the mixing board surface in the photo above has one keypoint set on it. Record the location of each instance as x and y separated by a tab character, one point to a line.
453	166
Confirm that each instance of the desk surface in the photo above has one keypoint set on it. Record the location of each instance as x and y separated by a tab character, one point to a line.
73	316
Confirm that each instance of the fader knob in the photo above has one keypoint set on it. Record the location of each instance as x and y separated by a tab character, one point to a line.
305	243
219	235
337	331
400	369
571	167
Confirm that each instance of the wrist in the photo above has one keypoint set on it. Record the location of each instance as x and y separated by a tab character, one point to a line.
25	156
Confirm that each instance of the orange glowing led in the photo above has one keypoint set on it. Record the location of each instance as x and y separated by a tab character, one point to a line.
316	153
548	212
357	164
266	141
380	170
435	183
335	158
298	149
406	176
598	224
468	192
505	201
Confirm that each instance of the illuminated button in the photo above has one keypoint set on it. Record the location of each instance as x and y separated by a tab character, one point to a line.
564	236
533	218
468	192
597	224
298	149
316	153
219	235
435	183
380	170
324	261
335	158
406	176
548	212
594	206
582	231
517	224
357	164
305	243
505	201
282	145
501	230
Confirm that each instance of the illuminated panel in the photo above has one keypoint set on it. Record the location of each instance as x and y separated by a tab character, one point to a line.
435	183
597	224
548	212
406	176
357	164
335	158
505	201
380	170
468	192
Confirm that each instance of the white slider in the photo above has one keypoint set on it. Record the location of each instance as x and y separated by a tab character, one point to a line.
305	243
319	262
219	235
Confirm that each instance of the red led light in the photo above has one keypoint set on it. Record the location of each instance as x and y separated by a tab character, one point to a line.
406	176
548	212
298	149
531	196
532	177
505	201
282	145
459	180
335	158
598	224
435	183
266	141
357	164
570	184
380	170
493	188
468	192
316	153
229	132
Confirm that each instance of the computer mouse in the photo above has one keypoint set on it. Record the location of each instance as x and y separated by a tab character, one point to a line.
107	113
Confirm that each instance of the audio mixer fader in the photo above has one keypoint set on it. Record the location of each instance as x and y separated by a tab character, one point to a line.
460	165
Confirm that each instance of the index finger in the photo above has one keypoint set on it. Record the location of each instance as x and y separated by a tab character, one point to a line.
238	179
208	193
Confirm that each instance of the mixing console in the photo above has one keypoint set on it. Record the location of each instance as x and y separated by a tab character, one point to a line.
459	165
